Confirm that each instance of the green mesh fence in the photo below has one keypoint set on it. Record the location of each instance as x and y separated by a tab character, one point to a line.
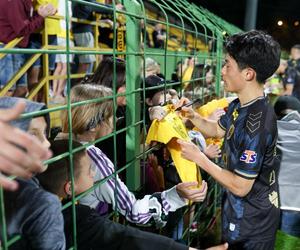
198	35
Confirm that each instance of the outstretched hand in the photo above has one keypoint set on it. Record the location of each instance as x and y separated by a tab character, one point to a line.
197	195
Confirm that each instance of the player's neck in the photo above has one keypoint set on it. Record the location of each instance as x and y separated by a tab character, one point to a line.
250	93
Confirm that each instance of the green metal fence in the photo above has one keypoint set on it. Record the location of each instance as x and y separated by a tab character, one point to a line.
197	28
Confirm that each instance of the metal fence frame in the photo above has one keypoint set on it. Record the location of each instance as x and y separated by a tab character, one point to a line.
192	18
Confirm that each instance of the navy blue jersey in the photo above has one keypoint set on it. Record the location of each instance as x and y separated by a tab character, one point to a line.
249	152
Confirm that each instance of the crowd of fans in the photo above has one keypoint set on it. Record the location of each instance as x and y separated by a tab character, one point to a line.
257	166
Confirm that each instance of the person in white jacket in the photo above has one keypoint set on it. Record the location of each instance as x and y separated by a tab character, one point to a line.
93	121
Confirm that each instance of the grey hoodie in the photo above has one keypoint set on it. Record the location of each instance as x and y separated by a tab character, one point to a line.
289	150
32	212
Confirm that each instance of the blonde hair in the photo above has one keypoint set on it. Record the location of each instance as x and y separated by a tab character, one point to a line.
82	115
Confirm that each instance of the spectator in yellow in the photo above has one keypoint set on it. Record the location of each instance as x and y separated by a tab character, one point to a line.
187	69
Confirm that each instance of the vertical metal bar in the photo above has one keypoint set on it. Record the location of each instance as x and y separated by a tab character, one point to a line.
144	131
115	105
67	18
192	81
219	62
133	100
3	221
45	66
166	40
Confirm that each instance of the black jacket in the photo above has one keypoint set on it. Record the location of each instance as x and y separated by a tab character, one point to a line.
96	232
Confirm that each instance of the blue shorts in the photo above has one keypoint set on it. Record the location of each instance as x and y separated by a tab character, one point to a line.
36	43
9	66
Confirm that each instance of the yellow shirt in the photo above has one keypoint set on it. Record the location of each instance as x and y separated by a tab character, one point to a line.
167	131
52	25
207	109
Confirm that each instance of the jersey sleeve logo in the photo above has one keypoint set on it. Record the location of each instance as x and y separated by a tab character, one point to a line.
249	156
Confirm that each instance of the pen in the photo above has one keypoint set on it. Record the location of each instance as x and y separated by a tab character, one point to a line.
189	104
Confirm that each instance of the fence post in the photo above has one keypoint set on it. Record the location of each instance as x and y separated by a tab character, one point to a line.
133	82
219	62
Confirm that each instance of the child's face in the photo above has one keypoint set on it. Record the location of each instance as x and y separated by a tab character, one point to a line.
37	127
209	76
159	98
86	176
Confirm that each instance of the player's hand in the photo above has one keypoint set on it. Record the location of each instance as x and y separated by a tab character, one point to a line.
186	112
190	151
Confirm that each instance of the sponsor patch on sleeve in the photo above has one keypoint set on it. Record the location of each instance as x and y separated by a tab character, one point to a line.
248	156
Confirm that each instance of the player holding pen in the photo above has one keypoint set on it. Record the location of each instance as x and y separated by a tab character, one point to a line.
250	212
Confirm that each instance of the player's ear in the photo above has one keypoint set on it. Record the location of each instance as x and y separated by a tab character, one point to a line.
249	74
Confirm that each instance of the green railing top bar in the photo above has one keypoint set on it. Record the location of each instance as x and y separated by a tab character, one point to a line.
92	52
228	27
181	15
190	18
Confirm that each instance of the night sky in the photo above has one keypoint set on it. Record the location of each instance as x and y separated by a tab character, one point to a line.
269	12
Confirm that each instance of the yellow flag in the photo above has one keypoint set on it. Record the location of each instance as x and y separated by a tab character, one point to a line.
167	131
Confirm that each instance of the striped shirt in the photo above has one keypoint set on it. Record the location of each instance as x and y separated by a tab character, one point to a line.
151	208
